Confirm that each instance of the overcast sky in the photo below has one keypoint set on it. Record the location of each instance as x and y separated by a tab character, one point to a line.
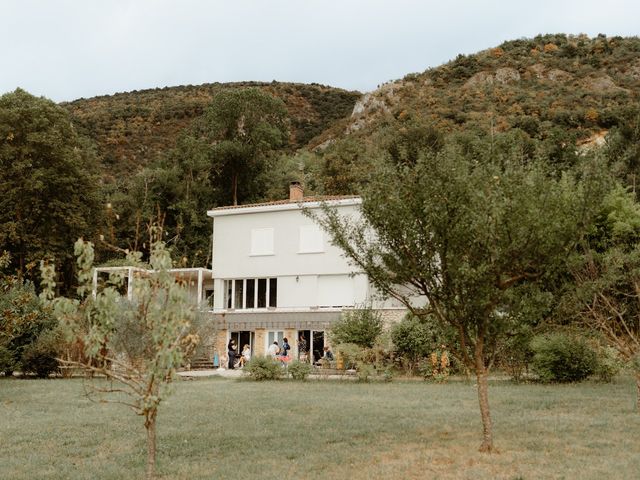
67	49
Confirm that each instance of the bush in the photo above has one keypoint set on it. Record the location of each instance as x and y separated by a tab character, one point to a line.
609	364
40	357
362	327
559	357
299	370
364	372
23	320
351	355
263	368
413	339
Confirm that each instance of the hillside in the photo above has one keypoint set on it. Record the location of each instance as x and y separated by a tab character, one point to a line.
132	129
573	85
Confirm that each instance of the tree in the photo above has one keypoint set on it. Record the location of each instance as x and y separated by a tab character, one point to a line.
137	344
467	235
606	272
240	128
47	193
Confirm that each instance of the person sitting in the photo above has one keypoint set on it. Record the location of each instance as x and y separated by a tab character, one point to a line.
246	355
326	359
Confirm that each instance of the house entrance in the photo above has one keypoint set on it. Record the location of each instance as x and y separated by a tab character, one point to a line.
243	338
315	343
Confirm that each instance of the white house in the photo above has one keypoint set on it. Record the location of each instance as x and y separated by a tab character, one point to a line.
276	273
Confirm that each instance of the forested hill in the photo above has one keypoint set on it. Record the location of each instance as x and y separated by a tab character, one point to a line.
133	129
546	86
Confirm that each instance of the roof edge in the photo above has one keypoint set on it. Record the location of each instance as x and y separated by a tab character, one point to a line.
275	207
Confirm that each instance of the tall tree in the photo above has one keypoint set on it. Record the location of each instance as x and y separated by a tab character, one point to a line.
241	127
605	292
467	235
47	195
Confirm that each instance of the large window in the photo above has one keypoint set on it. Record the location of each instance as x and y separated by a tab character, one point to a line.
245	293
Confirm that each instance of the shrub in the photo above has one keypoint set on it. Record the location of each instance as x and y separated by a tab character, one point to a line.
413	339
40	356
364	372
559	357
361	326
351	354
609	364
299	370
263	368
23	320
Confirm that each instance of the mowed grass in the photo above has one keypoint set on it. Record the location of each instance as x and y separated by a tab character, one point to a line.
234	429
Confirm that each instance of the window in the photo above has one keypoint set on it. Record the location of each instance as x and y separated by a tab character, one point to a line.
250	293
262	293
273	292
239	297
262	241
311	239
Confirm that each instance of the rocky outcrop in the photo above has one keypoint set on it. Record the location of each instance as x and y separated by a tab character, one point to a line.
603	84
540	72
507	75
501	76
480	79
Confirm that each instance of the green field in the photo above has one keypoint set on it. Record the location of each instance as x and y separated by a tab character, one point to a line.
235	429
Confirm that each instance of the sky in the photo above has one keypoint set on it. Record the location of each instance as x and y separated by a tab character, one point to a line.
68	49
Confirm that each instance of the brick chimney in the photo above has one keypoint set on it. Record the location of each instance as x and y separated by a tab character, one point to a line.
295	192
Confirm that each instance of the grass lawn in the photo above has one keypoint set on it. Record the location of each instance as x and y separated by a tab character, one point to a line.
234	429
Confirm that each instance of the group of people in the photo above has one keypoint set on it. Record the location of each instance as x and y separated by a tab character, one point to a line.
275	350
282	351
235	358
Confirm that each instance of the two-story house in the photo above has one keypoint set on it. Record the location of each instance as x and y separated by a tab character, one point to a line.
276	274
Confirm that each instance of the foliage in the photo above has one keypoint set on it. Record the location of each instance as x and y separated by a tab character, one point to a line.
239	129
264	368
24	327
604	291
364	372
133	130
351	355
560	357
476	231
361	326
609	364
40	357
299	370
137	344
49	195
414	339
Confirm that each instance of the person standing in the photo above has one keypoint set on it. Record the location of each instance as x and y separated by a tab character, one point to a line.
232	349
284	352
302	349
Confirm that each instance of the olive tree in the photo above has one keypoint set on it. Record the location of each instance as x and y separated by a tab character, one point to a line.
136	345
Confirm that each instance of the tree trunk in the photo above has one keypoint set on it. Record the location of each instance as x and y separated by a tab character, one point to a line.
150	425
483	399
638	389
234	187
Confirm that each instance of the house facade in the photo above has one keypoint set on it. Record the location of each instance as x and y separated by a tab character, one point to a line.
276	274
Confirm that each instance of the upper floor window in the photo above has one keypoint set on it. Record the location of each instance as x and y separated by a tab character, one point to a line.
311	239
250	293
262	241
